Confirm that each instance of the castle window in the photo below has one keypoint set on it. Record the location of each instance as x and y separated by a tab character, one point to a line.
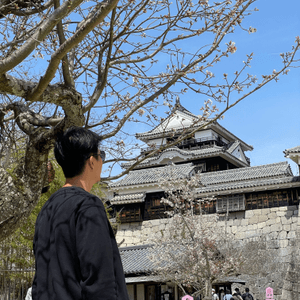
231	203
130	213
271	199
213	168
154	209
207	207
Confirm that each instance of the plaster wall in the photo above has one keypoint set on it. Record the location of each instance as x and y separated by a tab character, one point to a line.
158	142
279	226
140	290
130	290
238	152
180	120
209	133
204	133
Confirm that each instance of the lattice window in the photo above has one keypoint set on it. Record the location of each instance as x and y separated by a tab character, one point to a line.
270	199
154	209
207	207
213	168
130	213
231	203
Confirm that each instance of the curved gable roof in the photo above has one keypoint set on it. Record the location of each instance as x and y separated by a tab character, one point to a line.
177	120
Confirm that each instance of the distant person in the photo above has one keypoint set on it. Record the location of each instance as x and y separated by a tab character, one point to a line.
221	293
247	295
237	295
227	295
214	295
76	253
237	291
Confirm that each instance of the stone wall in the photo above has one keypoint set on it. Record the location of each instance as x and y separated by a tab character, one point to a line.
277	226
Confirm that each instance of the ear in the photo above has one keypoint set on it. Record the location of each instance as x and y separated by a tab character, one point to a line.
90	162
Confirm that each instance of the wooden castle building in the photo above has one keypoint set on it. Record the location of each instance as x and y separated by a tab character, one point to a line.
255	199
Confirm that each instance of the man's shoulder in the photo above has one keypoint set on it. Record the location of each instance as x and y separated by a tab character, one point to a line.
74	193
70	199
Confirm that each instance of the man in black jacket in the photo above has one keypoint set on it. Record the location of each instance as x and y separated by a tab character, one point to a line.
77	257
247	295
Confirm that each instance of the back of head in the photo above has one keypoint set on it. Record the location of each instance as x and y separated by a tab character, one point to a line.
237	290
73	147
247	290
227	292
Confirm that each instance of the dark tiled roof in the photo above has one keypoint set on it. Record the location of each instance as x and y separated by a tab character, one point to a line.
292	150
281	169
136	259
248	184
129	198
194	153
154	175
240	178
243	178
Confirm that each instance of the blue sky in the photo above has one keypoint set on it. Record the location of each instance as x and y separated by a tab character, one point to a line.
269	120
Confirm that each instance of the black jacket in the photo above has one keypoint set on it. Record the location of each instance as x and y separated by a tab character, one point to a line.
247	296
75	249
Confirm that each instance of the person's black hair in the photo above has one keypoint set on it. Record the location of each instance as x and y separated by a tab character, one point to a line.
227	292
247	290
237	289
73	147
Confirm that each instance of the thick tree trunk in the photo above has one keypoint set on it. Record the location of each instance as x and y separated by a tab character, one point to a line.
20	190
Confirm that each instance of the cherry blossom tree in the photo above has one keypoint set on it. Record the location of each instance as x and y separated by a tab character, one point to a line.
106	65
193	252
